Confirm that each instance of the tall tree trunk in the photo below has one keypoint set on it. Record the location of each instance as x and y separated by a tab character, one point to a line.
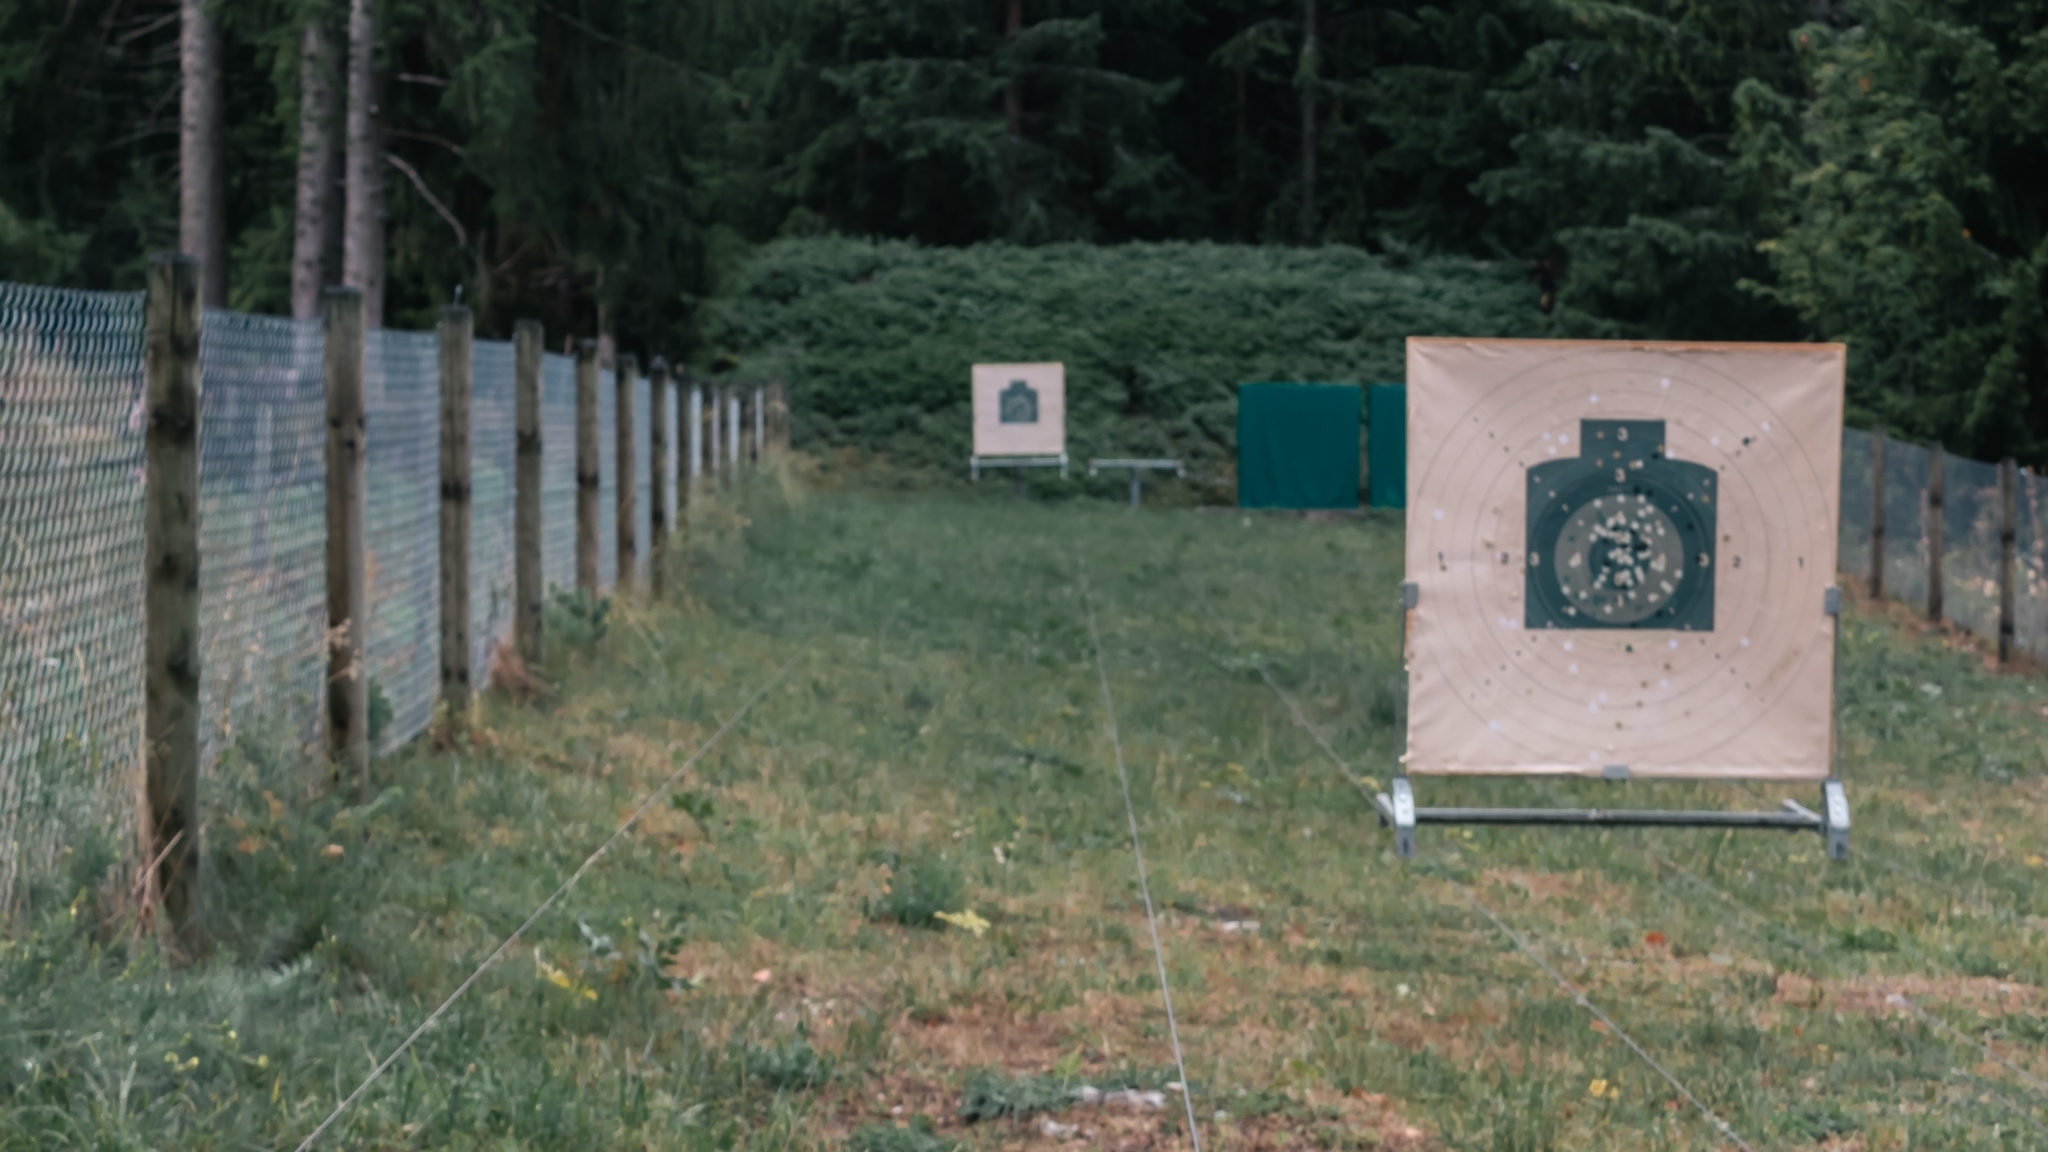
335	226
1306	80
320	110
1243	165
1013	114
1013	100
202	170
362	249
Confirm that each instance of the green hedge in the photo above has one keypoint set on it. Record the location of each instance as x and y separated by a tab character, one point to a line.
875	339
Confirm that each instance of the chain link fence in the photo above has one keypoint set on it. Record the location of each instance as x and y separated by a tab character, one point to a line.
402	537
71	588
1971	515
558	471
72	423
493	452
643	472
262	527
607	479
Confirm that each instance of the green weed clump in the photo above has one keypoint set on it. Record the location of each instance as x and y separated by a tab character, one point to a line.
576	618
921	886
917	1136
990	1095
791	1065
876	338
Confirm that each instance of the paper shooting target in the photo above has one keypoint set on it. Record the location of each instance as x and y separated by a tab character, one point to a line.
1020	409
1621	553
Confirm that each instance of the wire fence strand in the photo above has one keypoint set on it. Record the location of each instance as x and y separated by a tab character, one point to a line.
625	826
1123	777
1577	995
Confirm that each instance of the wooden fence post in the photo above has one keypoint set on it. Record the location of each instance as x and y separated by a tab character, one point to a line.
732	437
2008	530
170	526
778	416
695	433
348	615
760	423
458	328
626	492
714	468
527	592
657	471
1936	527
1877	442
587	464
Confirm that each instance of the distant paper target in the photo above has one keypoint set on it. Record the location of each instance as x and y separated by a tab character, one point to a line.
1020	410
1621	553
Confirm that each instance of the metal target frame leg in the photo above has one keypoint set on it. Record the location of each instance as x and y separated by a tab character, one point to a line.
1398	811
1835	813
1137	467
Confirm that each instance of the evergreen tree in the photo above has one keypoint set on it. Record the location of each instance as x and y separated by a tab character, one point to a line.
1914	216
1743	169
1624	114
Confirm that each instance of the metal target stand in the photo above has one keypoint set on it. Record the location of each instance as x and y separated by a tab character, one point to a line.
1398	809
975	465
1138	467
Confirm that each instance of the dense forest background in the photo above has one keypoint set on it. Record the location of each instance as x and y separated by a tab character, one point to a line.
1874	171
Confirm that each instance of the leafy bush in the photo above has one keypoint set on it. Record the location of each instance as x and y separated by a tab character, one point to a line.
875	339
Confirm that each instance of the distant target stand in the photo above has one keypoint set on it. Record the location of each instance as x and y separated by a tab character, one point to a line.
1020	418
1621	565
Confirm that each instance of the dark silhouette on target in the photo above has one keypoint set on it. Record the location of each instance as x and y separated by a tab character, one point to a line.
1017	404
1623	536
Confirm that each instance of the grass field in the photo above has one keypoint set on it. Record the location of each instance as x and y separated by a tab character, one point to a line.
763	964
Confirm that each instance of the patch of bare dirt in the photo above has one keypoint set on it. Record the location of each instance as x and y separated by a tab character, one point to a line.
1896	995
1366	1122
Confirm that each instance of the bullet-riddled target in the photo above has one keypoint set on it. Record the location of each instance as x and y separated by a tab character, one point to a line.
1621	554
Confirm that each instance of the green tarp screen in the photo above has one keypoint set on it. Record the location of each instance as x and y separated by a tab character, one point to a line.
1297	445
1386	445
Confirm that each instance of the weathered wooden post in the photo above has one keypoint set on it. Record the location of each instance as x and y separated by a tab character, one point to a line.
657	471
695	392
170	528
2008	531
778	416
1877	442
760	423
715	444
1936	527
527	591
587	465
732	425
458	328
627	378
348	609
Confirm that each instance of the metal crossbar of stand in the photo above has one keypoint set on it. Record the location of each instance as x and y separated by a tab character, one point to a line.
1399	812
1138	467
975	465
